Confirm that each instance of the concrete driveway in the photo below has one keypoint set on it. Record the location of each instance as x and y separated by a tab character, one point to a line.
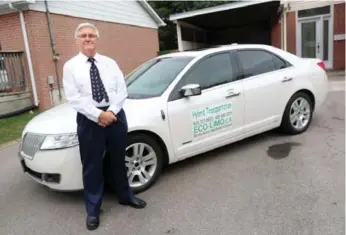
269	184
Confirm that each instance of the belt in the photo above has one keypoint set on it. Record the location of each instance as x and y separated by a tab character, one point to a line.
104	108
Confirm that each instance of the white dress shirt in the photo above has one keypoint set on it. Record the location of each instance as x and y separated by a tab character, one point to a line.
77	85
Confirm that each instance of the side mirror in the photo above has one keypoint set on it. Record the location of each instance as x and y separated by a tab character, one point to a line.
191	90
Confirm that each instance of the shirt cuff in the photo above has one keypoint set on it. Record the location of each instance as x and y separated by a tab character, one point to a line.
96	114
114	109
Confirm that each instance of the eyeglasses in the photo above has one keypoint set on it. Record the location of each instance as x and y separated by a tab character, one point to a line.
84	35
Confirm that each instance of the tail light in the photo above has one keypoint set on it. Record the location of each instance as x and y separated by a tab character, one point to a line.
322	65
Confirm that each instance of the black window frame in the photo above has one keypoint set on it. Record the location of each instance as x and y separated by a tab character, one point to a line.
240	66
176	95
313	12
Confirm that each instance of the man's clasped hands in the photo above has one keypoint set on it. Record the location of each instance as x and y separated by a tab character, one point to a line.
106	118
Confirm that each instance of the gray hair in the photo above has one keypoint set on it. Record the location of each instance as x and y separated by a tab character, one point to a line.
86	25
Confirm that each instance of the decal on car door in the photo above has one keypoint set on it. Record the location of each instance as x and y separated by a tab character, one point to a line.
210	119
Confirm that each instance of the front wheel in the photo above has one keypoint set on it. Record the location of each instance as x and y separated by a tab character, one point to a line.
298	114
143	161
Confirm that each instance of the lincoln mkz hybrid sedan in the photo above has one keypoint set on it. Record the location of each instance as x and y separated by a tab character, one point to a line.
183	104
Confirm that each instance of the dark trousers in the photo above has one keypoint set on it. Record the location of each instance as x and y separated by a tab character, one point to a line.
93	141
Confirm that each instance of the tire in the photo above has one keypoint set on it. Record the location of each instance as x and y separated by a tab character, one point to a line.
150	144
290	127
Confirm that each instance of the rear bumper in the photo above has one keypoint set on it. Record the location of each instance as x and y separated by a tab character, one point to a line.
321	91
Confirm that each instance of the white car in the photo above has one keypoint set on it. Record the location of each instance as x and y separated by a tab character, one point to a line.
183	104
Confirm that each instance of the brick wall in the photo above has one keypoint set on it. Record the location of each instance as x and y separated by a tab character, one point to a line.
11	37
291	32
339	28
276	35
128	45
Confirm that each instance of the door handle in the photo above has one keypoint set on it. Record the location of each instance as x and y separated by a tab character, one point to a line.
287	79
232	93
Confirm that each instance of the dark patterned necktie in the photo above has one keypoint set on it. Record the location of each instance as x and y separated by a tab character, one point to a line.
98	89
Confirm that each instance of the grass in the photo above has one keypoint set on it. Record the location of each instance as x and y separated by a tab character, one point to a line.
11	128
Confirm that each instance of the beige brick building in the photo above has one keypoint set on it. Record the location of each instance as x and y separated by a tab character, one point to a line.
43	32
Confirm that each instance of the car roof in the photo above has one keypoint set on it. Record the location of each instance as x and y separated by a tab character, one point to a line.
218	48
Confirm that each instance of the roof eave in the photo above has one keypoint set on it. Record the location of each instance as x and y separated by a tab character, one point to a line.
152	12
12	6
208	10
16	2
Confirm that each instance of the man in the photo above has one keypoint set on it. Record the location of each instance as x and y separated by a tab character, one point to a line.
96	89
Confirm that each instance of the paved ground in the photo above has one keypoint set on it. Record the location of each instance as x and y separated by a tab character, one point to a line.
266	185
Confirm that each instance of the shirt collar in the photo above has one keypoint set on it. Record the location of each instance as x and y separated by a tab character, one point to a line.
85	58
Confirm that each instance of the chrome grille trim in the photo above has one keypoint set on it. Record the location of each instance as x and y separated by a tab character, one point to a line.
31	144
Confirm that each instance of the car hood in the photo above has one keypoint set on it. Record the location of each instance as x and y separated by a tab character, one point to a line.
62	118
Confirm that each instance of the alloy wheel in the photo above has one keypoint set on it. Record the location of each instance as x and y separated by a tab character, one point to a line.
141	163
300	112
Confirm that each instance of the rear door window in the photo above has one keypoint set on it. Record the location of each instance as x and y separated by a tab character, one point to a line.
257	62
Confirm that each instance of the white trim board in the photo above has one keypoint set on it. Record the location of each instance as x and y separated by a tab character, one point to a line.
152	12
339	37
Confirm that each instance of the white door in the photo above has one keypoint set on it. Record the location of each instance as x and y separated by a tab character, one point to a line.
315	39
268	82
202	122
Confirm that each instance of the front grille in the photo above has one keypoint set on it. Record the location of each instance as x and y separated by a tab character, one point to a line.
31	144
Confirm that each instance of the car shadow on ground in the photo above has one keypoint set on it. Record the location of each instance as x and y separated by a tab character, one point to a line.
224	151
169	171
265	139
218	154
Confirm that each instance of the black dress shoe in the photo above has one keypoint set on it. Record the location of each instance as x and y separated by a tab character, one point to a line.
92	223
135	203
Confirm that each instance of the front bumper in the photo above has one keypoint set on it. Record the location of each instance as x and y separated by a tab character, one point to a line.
59	169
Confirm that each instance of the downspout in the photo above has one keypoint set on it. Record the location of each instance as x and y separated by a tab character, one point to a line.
282	28
52	42
285	25
28	54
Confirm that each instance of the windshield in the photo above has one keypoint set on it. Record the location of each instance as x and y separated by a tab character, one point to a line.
153	78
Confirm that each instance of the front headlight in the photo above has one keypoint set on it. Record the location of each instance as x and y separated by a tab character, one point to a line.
60	141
